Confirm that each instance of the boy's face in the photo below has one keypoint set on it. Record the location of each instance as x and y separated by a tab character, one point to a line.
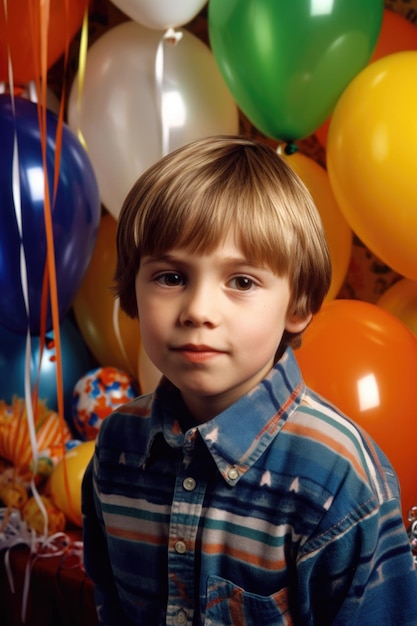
212	323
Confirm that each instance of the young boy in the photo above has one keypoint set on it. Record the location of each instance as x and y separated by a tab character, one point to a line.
233	494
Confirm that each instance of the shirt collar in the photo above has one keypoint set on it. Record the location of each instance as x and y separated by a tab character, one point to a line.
238	436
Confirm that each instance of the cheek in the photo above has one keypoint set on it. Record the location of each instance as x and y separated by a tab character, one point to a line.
267	324
153	320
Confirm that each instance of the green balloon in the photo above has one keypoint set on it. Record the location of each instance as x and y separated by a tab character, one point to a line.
286	62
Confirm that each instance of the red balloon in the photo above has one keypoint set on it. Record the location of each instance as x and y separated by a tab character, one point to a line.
21	32
364	360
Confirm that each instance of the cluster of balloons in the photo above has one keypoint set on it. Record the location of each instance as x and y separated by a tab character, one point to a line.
342	70
345	72
41	162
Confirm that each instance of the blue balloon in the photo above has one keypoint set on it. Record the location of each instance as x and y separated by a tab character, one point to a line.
75	214
76	361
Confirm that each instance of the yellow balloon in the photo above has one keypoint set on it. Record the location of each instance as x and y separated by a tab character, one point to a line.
401	300
65	481
372	156
94	307
338	231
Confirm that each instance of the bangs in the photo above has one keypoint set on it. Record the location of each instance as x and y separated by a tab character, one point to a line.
215	213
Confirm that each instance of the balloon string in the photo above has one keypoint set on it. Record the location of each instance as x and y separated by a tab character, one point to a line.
172	37
17	203
51	266
82	62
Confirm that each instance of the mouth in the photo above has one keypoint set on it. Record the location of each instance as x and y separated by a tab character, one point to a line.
197	353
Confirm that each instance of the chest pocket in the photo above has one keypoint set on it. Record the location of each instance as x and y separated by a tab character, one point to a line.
229	605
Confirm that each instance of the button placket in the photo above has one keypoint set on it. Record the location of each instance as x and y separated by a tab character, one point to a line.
184	523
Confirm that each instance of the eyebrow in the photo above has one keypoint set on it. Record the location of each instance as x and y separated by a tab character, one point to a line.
170	258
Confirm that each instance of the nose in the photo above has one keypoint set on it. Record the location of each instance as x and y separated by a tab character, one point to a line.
200	307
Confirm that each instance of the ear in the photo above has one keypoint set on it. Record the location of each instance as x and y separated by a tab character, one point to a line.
297	324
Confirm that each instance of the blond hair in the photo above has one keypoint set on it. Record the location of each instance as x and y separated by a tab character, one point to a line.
215	186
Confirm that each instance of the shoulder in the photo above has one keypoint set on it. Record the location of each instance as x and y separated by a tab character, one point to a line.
340	450
127	427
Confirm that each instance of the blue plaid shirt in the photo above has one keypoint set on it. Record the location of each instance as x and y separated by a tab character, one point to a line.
279	510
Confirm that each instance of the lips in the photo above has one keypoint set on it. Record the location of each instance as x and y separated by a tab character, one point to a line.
197	353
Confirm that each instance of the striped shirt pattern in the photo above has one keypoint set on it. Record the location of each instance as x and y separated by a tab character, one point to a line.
278	511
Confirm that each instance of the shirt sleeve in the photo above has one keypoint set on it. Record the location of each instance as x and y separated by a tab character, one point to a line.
96	562
362	572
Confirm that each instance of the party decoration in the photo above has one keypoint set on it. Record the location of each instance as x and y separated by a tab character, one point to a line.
113	342
96	395
13	495
371	156
66	479
364	360
397	35
338	232
401	300
123	105
34	517
75	214
160	14
20	29
76	361
286	63
15	443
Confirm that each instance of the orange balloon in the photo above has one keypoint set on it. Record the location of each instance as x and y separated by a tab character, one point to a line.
94	307
21	31
397	34
364	360
66	479
401	300
338	231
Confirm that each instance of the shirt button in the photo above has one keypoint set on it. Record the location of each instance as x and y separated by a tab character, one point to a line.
181	617
180	547
233	473
189	484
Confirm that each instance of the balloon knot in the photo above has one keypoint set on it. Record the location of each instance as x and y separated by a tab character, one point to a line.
173	36
290	148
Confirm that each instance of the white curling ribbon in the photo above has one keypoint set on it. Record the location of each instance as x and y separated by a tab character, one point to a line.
170	37
13	532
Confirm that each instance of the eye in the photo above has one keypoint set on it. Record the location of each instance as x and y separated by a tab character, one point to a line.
170	279
242	283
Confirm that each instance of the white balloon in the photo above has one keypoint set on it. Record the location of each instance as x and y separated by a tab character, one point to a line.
160	14
118	114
